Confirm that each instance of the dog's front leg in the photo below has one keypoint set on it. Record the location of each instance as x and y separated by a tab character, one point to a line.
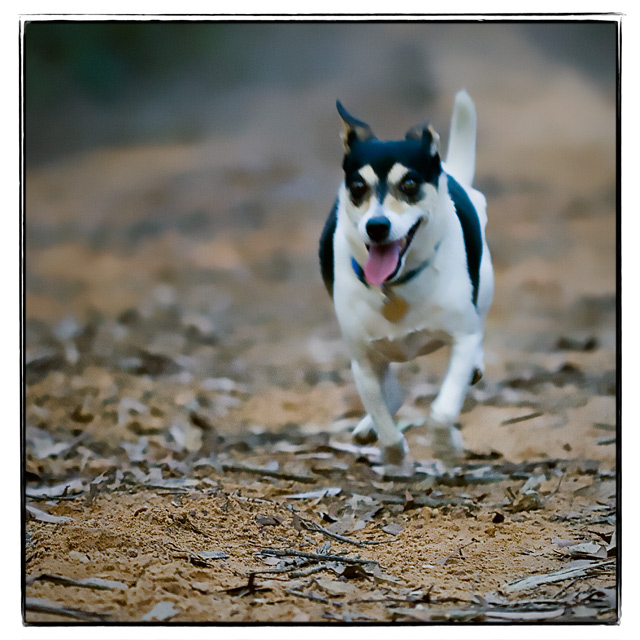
365	431
369	378
466	359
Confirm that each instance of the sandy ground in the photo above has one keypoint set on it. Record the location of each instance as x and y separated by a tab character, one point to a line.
186	381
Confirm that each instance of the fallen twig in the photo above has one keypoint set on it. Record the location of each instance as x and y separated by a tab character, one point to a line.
46	498
90	583
312	526
553	493
283	475
275	570
567	587
42	605
316	556
312	596
296	571
457	550
528	416
245	589
301	573
412	599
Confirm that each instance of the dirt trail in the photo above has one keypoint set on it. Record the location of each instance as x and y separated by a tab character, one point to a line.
186	381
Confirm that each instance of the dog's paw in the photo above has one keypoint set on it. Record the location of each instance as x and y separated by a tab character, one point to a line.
404	470
446	443
395	454
365	438
364	433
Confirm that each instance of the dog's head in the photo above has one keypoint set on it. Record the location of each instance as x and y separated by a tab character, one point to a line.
390	192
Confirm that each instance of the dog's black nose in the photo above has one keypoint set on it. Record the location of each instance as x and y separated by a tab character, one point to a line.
378	228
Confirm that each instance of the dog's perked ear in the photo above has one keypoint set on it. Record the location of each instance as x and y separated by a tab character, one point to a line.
428	135
354	129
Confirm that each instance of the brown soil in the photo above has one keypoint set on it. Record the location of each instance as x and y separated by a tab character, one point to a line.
177	330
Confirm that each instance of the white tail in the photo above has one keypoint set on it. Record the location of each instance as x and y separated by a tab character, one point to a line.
461	154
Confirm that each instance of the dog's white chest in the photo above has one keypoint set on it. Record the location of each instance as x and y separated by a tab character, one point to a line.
398	326
411	345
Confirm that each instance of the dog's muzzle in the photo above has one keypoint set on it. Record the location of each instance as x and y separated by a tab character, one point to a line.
385	258
378	228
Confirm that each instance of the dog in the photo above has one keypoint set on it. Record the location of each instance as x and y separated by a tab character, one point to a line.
404	256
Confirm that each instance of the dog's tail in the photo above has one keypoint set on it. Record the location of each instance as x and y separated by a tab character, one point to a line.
461	154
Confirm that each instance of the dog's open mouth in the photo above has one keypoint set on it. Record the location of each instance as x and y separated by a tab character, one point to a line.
385	260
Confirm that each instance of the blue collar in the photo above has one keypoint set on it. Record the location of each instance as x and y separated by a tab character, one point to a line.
407	277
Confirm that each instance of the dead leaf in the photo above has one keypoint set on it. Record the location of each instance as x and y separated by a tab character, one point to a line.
529	501
343	525
43	446
202	587
609	596
361	523
43	516
355	572
582	612
587	550
525	616
392	529
562	542
571	515
269	521
162	611
317	493
382	576
57	490
334	587
555	576
418	613
82	557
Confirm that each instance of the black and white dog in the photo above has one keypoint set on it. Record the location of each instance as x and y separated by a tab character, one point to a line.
404	256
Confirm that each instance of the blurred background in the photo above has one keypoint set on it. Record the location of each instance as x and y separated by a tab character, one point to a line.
178	175
109	83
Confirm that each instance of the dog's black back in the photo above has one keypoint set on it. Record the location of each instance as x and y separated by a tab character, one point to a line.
326	249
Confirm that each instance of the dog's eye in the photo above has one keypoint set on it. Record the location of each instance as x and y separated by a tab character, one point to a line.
358	189
409	187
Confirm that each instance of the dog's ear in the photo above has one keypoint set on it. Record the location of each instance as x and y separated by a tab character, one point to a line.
354	129
427	135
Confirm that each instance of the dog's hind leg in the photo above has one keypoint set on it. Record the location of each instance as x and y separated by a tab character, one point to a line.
393	395
466	359
370	381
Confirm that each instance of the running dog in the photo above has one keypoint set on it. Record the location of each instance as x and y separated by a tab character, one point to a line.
404	256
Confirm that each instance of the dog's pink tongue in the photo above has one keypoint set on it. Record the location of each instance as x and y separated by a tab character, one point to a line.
382	262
